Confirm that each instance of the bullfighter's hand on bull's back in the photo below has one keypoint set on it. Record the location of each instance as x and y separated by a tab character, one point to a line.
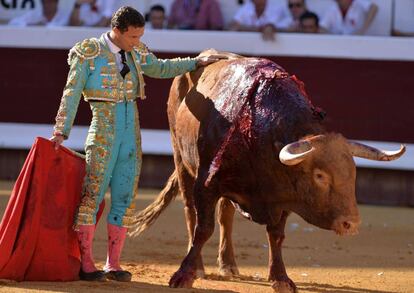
108	72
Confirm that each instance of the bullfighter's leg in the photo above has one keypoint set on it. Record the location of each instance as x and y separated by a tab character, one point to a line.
226	260
102	149
277	272
124	184
205	200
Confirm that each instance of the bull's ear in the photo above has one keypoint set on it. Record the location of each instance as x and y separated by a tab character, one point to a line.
371	153
295	152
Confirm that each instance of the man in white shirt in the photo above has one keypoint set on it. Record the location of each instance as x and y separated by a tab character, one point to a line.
51	14
288	15
255	16
92	12
349	17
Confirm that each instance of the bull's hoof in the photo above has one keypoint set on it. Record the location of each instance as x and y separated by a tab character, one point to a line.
228	271
285	286
182	279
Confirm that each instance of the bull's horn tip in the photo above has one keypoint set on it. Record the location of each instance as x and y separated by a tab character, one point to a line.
402	149
393	155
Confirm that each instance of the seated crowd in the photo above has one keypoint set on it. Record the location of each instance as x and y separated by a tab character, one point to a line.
351	17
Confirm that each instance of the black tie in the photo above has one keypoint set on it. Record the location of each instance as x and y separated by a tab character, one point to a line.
125	67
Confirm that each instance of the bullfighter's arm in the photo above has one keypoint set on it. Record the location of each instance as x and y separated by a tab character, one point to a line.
72	92
162	68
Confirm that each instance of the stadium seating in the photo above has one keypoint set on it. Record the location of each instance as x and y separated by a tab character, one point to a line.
391	12
404	15
380	26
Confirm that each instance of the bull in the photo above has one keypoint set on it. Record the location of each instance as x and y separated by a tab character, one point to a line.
246	137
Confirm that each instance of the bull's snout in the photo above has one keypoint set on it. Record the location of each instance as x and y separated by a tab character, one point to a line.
346	225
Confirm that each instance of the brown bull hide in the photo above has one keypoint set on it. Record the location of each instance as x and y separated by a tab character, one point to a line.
229	121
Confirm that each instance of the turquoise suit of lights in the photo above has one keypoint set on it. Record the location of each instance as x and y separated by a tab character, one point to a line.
113	145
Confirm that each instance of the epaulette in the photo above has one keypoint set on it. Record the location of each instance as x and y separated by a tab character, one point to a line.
142	49
87	49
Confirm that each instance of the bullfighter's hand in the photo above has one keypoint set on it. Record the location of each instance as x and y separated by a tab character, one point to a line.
206	60
57	140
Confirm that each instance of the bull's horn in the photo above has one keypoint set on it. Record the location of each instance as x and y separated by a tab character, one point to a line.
295	152
370	153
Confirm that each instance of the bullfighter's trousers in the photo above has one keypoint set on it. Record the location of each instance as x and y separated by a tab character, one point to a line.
113	158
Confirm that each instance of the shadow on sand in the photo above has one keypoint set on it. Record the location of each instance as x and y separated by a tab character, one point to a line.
108	286
325	288
308	287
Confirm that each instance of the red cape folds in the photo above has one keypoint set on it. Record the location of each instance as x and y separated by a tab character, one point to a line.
37	241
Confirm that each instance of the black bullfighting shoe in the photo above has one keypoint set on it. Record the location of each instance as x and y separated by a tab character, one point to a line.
92	276
120	276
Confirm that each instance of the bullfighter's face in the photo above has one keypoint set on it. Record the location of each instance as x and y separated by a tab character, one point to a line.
128	39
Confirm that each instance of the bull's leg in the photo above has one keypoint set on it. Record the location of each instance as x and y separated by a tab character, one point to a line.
190	218
277	271
226	260
186	183
205	203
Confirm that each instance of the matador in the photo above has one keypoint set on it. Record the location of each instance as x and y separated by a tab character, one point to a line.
108	73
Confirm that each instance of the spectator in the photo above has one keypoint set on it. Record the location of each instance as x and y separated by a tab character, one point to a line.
49	15
156	17
288	16
350	17
253	16
92	13
196	14
309	23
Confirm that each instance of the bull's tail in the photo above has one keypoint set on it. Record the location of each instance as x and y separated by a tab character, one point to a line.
147	217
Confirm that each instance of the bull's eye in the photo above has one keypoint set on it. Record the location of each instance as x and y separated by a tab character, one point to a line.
321	178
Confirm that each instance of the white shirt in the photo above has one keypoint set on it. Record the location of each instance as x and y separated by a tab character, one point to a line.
36	17
115	50
89	17
284	19
246	15
353	21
